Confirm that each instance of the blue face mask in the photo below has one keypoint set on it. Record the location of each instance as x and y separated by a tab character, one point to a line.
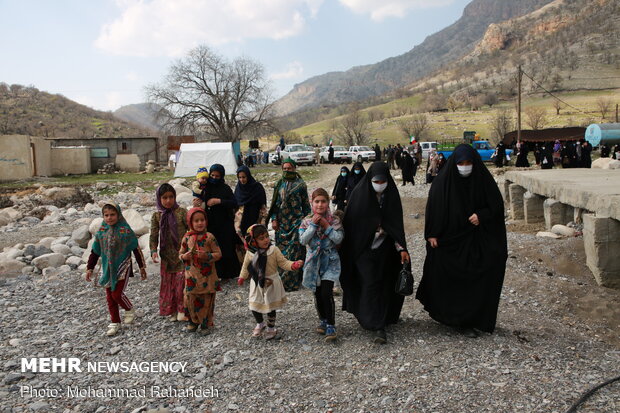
343	174
214	181
357	171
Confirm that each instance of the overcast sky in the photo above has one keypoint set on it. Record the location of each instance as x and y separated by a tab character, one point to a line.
103	52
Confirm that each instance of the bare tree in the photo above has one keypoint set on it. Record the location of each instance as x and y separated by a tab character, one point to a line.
535	117
604	106
414	126
453	104
353	129
558	106
204	92
502	123
490	99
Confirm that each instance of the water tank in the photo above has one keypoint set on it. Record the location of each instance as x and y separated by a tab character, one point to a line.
608	133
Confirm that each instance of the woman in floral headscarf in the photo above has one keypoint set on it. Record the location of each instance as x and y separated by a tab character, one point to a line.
114	243
289	206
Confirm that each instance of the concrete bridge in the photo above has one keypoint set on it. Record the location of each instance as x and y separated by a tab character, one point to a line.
558	196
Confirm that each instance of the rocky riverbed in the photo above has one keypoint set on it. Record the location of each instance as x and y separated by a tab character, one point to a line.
558	333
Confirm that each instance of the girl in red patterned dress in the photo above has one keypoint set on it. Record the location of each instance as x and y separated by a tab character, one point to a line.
199	251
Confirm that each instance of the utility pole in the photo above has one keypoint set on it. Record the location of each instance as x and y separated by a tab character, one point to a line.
519	77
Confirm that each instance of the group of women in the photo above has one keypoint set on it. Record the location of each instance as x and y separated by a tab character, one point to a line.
466	247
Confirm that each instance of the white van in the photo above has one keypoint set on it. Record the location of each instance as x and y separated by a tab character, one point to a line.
426	148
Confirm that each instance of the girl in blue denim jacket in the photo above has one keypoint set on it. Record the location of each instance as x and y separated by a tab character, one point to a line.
321	233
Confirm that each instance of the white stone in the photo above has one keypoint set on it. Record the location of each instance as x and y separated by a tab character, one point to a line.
101	185
185	199
135	221
178	181
27	270
563	230
144	241
77	251
50	272
87	250
95	225
13	253
91	208
82	267
75	261
615	164
52	218
9	266
11	214
139	190
61	240
71	211
61	249
180	189
545	234
49	260
4	220
81	235
47	241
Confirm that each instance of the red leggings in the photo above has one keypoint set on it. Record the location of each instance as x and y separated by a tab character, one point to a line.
117	298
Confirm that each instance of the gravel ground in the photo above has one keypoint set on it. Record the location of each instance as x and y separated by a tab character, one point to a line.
558	335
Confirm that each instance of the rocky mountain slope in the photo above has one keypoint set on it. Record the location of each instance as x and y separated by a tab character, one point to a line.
142	114
439	49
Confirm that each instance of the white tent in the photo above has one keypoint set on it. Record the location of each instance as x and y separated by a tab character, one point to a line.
194	155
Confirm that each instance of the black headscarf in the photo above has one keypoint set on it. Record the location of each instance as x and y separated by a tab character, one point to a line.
341	183
353	178
364	214
463	276
251	192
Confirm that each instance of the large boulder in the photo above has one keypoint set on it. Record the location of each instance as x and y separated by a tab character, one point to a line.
144	242
180	189
61	249
95	225
11	214
47	241
81	236
62	196
49	260
136	222
185	199
61	240
88	249
10	266
563	230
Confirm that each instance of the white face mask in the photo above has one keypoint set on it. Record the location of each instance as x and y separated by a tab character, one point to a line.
465	170
379	188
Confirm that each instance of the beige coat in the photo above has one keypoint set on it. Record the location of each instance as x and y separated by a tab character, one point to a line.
273	296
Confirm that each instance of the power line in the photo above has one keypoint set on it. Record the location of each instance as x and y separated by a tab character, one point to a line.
540	86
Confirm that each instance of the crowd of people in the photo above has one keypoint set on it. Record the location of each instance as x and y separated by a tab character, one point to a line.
358	243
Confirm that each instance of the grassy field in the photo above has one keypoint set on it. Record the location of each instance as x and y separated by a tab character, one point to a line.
448	125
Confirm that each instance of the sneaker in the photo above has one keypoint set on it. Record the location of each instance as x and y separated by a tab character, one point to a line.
172	317
380	337
191	327
181	317
330	333
258	330
321	328
130	316
113	329
270	333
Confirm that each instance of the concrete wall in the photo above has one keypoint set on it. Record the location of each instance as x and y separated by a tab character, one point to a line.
145	148
15	159
42	156
127	163
22	157
70	160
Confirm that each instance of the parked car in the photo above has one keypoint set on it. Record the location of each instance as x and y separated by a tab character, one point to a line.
302	154
341	154
426	148
484	148
362	154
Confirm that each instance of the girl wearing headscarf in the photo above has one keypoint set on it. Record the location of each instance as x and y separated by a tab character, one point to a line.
289	206
168	225
252	201
220	204
373	252
114	243
339	193
321	233
466	246
199	251
356	175
267	294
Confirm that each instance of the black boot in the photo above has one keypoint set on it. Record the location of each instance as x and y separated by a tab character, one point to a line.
380	337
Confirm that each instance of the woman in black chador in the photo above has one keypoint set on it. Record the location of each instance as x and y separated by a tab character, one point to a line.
339	194
466	247
373	251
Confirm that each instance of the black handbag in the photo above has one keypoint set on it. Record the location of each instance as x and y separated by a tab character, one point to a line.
404	282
